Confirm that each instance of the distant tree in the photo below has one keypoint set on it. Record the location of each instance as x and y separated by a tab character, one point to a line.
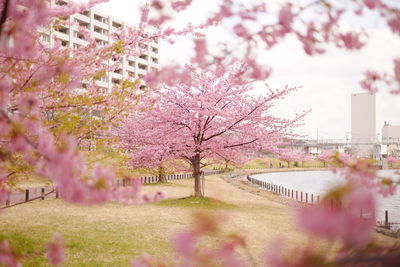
289	155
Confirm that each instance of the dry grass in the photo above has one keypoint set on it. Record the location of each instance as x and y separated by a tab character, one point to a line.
266	162
112	234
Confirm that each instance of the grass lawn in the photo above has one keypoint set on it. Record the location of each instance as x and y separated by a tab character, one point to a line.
113	234
263	163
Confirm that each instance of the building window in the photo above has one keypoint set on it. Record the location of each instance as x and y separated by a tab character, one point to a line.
82	23
100	30
45	38
62	42
50	115
85	13
101	42
61	3
101	19
142	56
117	25
154	60
78	35
76	46
116	81
154	50
131	63
142	66
62	29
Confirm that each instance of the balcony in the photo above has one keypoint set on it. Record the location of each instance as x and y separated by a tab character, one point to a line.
100	18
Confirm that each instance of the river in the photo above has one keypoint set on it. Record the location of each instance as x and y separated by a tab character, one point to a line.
320	182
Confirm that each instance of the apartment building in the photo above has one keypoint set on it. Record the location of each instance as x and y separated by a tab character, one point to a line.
101	27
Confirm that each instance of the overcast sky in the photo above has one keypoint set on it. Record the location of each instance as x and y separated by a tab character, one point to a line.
327	80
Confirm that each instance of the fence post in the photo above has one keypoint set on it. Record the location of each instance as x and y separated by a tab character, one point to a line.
318	199
292	193
312	198
42	193
306	197
56	192
301	196
26	195
386	218
297	196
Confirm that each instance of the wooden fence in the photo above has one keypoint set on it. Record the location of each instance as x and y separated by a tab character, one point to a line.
30	194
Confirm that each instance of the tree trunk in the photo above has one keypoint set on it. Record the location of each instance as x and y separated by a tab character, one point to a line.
197	175
161	175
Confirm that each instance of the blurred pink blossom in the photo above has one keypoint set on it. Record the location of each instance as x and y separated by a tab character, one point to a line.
55	250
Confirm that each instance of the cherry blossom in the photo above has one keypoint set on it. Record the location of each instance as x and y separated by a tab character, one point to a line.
206	117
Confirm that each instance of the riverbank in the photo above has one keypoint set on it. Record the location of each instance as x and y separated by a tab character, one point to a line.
112	234
241	181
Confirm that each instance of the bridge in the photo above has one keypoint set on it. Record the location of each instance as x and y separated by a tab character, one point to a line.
346	142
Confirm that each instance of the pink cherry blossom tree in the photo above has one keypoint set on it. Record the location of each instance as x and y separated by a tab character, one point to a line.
205	117
209	127
289	155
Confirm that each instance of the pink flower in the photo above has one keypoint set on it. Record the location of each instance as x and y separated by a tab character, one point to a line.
241	31
286	18
351	40
55	250
258	72
372	4
200	47
144	261
5	87
274	256
7	256
144	16
181	5
397	69
185	243
18	144
386	187
342	222
394	23
369	82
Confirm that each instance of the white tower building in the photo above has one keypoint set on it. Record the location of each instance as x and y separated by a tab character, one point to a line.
363	123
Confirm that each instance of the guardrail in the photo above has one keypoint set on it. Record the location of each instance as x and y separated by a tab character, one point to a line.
312	199
297	195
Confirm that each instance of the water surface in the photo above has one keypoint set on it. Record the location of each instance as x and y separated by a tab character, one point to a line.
320	182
